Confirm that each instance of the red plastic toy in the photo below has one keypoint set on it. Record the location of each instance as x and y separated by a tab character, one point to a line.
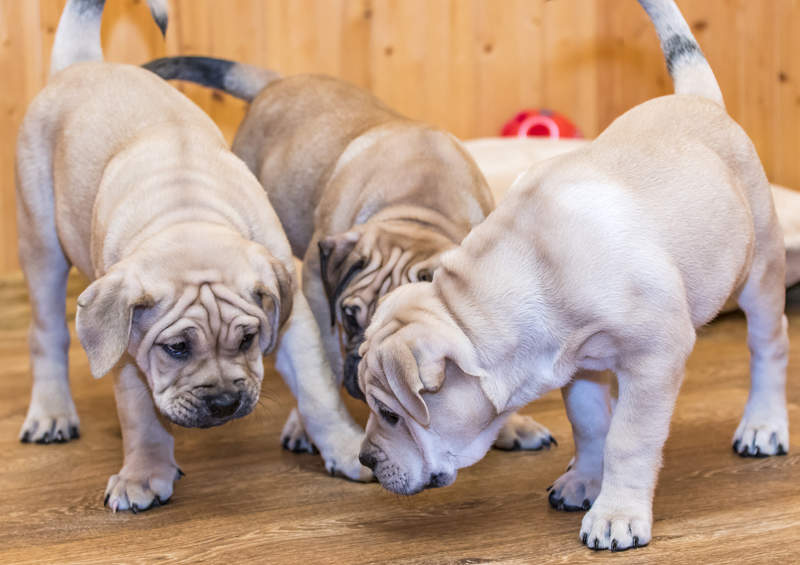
540	123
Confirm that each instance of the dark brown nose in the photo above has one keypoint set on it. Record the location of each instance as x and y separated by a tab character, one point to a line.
367	459
224	405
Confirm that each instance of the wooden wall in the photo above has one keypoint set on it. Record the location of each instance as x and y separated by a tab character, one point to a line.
465	65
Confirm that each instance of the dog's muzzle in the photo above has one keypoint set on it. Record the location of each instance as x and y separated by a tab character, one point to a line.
351	376
203	409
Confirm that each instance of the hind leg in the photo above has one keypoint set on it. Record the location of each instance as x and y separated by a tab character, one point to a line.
51	415
764	429
588	402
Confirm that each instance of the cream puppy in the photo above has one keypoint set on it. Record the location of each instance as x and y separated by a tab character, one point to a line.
193	278
605	258
369	199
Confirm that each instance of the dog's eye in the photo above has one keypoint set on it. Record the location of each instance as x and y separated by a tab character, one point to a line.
425	275
178	350
247	341
388	416
350	319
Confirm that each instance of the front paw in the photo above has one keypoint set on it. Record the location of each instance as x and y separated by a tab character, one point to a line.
141	486
523	432
294	437
50	420
762	435
342	459
620	526
575	490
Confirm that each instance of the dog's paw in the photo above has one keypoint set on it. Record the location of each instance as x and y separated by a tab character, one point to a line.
140	487
574	490
294	437
762	435
523	432
617	527
50	420
343	461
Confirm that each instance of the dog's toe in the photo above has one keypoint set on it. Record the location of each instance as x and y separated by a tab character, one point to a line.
761	436
575	490
617	529
294	437
523	433
45	428
140	487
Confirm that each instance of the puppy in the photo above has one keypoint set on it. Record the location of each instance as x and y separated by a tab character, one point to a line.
606	258
126	179
369	199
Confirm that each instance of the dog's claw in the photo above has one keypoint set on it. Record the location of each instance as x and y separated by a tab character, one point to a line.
105	500
585	538
781	449
635	542
586	504
74	432
548	489
26	437
596	544
736	446
181	473
553	441
614	545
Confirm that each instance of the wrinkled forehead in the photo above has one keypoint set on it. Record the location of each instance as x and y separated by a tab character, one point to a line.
386	269
209	309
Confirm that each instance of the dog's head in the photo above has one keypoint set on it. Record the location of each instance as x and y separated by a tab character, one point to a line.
196	318
362	265
434	408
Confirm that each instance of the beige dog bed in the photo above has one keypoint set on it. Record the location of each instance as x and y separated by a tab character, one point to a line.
502	159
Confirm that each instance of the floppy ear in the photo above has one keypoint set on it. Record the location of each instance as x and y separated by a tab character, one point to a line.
336	266
403	376
104	317
274	292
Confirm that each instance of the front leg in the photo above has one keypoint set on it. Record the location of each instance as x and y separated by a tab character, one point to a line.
304	366
149	467
587	399
622	516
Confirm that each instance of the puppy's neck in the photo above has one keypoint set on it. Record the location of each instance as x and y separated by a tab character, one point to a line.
504	311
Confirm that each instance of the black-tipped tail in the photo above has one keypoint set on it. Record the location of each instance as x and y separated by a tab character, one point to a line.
237	79
686	63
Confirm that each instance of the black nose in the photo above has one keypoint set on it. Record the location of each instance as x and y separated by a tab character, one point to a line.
437	480
351	376
224	405
367	459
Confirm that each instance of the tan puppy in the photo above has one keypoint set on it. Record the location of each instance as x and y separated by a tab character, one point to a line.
369	200
126	179
605	258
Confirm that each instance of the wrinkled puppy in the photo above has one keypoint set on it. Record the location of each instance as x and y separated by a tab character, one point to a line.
368	198
193	277
606	258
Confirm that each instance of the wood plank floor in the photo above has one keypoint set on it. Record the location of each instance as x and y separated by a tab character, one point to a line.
246	500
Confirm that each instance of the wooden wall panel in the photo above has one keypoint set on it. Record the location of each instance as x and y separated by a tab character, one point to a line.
465	65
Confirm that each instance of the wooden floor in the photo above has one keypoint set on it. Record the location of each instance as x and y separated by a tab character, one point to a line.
245	500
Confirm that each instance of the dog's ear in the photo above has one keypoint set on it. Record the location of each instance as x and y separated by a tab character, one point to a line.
336	265
411	370
104	317
273	290
408	379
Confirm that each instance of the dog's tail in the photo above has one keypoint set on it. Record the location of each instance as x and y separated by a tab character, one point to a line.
689	69
237	79
78	34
